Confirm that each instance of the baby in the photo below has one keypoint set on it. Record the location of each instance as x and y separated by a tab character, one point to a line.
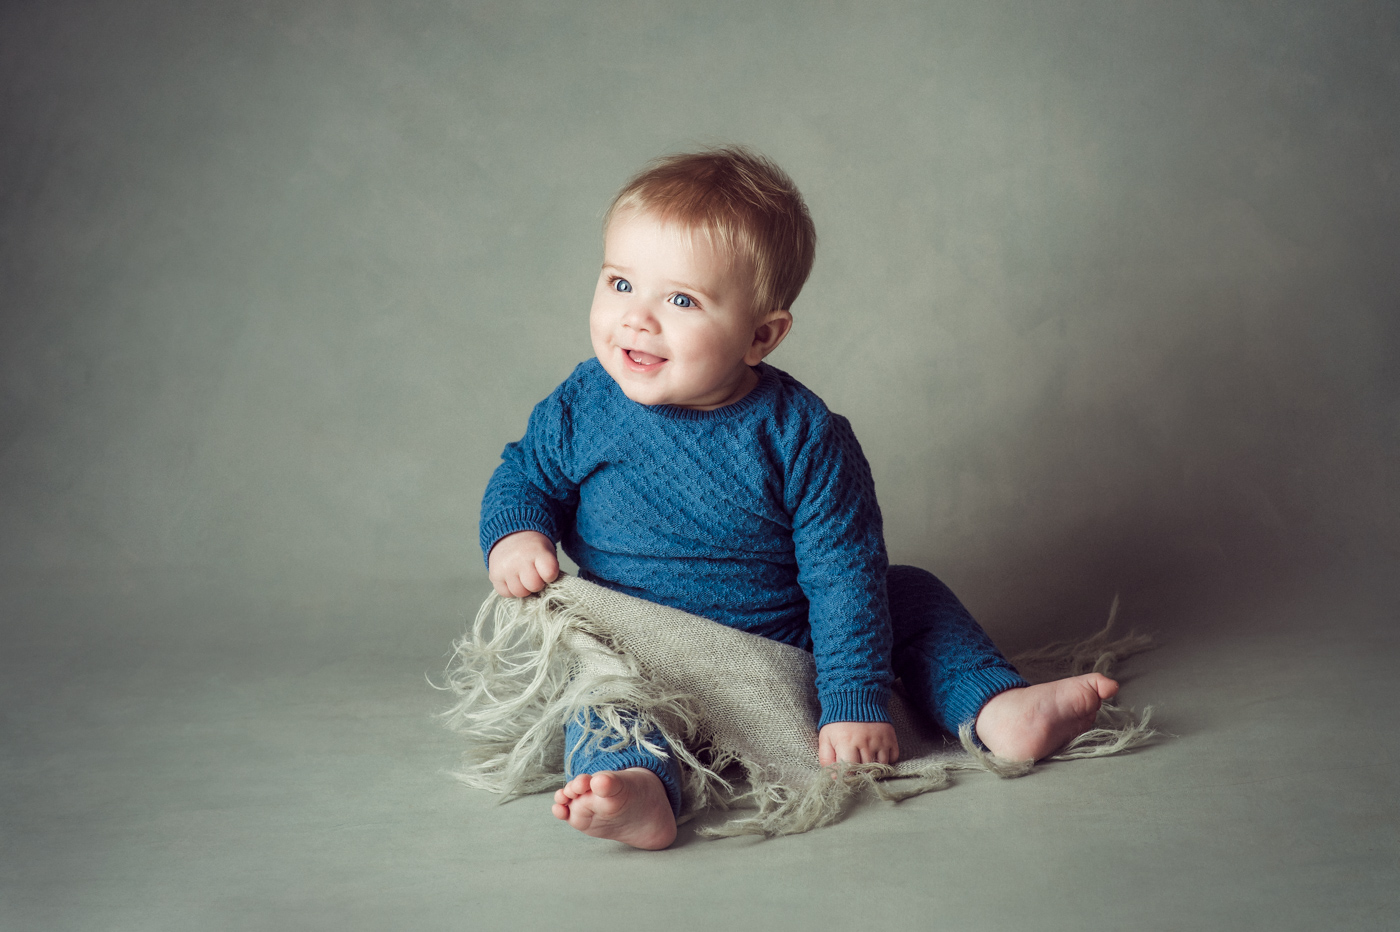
678	467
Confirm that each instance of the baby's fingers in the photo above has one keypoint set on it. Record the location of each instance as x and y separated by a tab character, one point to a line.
547	566
527	582
867	755
516	585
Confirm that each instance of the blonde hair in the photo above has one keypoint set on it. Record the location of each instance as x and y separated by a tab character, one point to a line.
743	203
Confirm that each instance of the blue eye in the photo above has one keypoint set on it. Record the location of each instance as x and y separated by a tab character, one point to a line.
682	300
622	285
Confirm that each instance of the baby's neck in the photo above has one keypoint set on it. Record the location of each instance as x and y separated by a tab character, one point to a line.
747	382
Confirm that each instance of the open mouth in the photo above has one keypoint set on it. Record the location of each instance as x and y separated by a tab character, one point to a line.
644	359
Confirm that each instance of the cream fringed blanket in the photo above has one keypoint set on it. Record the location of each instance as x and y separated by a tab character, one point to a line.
722	697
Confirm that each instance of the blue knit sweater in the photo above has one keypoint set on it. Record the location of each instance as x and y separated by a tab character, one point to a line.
760	515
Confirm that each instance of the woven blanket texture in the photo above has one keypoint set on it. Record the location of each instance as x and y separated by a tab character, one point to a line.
738	710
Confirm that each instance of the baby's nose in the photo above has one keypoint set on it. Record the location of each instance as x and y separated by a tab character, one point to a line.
639	316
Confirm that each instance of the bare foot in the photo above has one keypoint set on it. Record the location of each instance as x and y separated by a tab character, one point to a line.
1032	722
629	806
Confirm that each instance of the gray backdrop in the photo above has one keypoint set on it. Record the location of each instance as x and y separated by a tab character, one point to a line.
1107	289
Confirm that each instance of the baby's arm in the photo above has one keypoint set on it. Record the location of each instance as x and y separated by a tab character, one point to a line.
857	742
529	501
522	563
841	556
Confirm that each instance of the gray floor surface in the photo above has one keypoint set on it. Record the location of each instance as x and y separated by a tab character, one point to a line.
186	754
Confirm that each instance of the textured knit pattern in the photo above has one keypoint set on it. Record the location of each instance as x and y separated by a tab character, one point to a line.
948	665
760	515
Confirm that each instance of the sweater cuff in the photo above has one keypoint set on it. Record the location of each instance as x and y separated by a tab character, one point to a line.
863	704
512	520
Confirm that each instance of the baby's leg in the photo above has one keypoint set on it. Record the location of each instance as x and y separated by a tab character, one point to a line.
627	794
954	672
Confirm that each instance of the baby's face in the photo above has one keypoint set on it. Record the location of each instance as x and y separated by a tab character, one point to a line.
671	321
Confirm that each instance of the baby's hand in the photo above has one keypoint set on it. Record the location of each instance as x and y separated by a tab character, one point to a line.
522	563
858	743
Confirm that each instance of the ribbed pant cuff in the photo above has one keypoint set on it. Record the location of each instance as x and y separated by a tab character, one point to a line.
668	769
973	690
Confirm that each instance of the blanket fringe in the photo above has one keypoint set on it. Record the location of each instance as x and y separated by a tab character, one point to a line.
1118	728
1098	653
528	666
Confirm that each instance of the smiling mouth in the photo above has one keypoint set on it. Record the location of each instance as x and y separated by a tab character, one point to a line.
643	359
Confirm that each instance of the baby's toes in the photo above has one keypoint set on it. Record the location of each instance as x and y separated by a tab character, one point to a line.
1102	686
578	785
1094	688
605	784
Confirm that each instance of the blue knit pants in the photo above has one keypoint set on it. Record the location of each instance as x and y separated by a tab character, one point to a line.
948	665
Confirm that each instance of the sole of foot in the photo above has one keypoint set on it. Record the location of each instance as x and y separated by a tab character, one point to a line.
629	806
1033	722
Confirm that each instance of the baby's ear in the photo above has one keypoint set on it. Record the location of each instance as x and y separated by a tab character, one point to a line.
768	334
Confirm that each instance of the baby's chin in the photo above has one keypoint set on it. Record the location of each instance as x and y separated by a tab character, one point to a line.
649	395
645	396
